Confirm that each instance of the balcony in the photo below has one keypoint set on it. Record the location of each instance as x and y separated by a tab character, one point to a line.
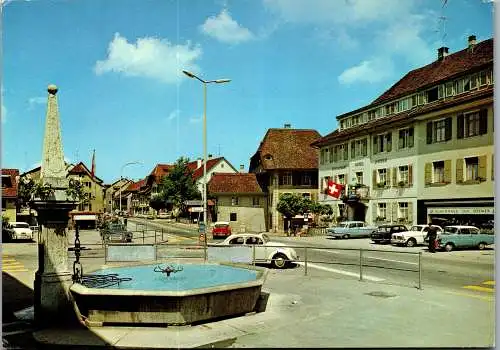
356	193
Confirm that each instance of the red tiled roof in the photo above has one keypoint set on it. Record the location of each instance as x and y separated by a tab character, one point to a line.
234	183
160	170
80	168
197	173
10	191
289	149
403	117
439	70
135	186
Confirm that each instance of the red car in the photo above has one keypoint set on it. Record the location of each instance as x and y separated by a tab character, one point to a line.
221	229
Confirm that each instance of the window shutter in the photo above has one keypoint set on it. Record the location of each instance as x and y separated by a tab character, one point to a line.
483	121
460	126
447	171
400	142
492	167
336	179
353	150
365	147
428	173
389	141
410	175
374	212
374	179
447	132
482	167
346	151
460	170
394	216
410	212
429	132
394	177
410	137
375	148
346	179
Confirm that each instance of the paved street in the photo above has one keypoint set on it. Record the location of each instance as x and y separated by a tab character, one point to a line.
467	275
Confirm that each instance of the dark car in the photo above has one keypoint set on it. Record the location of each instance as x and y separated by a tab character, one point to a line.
384	232
115	232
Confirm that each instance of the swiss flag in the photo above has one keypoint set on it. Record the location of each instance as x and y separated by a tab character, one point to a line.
334	189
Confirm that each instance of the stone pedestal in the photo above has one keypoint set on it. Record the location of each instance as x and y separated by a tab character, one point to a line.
53	278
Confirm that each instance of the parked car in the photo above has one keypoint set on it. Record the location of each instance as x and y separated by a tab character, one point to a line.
275	253
349	229
164	216
18	230
416	235
383	234
221	229
458	236
115	232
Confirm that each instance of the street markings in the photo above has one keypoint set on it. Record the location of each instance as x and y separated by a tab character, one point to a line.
483	287
10	264
341	272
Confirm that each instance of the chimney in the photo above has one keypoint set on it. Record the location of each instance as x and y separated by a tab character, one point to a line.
442	53
242	168
287	126
198	162
209	156
472	42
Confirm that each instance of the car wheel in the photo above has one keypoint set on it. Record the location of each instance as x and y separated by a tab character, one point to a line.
280	261
411	242
481	246
449	247
346	236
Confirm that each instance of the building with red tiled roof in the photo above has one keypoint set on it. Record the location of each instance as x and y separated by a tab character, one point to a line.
285	162
239	200
422	150
9	193
93	187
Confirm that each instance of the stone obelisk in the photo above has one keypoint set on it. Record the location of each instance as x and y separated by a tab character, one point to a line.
53	278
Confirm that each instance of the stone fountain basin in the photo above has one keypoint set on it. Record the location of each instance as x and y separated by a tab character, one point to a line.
169	307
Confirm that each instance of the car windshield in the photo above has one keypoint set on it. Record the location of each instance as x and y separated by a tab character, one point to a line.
415	228
21	225
450	230
221	225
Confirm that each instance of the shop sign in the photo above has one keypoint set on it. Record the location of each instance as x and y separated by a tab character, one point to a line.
462	211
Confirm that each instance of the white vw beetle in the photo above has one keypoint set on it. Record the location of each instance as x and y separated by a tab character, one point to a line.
416	235
275	253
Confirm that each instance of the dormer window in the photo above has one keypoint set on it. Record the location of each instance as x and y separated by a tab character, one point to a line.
268	157
433	94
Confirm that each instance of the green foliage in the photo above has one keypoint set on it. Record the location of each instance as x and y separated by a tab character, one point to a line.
291	204
43	191
76	192
156	202
179	186
25	190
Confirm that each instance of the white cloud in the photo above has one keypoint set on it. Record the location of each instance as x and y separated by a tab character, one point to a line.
174	114
4	114
223	28
371	71
195	120
150	58
37	101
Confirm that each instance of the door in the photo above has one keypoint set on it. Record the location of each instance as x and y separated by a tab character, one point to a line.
260	249
464	238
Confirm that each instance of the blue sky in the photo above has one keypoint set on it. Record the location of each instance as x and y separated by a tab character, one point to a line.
118	65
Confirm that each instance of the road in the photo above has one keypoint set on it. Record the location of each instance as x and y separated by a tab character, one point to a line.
469	273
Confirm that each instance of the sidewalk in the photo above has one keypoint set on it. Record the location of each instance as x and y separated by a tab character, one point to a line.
339	313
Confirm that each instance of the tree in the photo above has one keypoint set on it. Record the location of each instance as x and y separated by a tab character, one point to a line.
156	202
290	204
179	186
25	191
76	192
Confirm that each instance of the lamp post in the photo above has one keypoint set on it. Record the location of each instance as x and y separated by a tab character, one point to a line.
121	178
204	193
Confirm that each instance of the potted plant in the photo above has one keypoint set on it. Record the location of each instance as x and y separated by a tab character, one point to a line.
380	218
380	184
402	183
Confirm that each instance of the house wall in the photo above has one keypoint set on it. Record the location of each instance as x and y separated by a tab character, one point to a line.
95	191
249	218
9	208
222	167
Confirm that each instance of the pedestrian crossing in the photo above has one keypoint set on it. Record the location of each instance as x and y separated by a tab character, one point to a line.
9	264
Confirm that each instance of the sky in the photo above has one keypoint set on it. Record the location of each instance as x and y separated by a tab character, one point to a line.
118	66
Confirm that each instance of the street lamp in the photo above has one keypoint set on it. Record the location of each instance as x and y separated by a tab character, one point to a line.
121	178
204	194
